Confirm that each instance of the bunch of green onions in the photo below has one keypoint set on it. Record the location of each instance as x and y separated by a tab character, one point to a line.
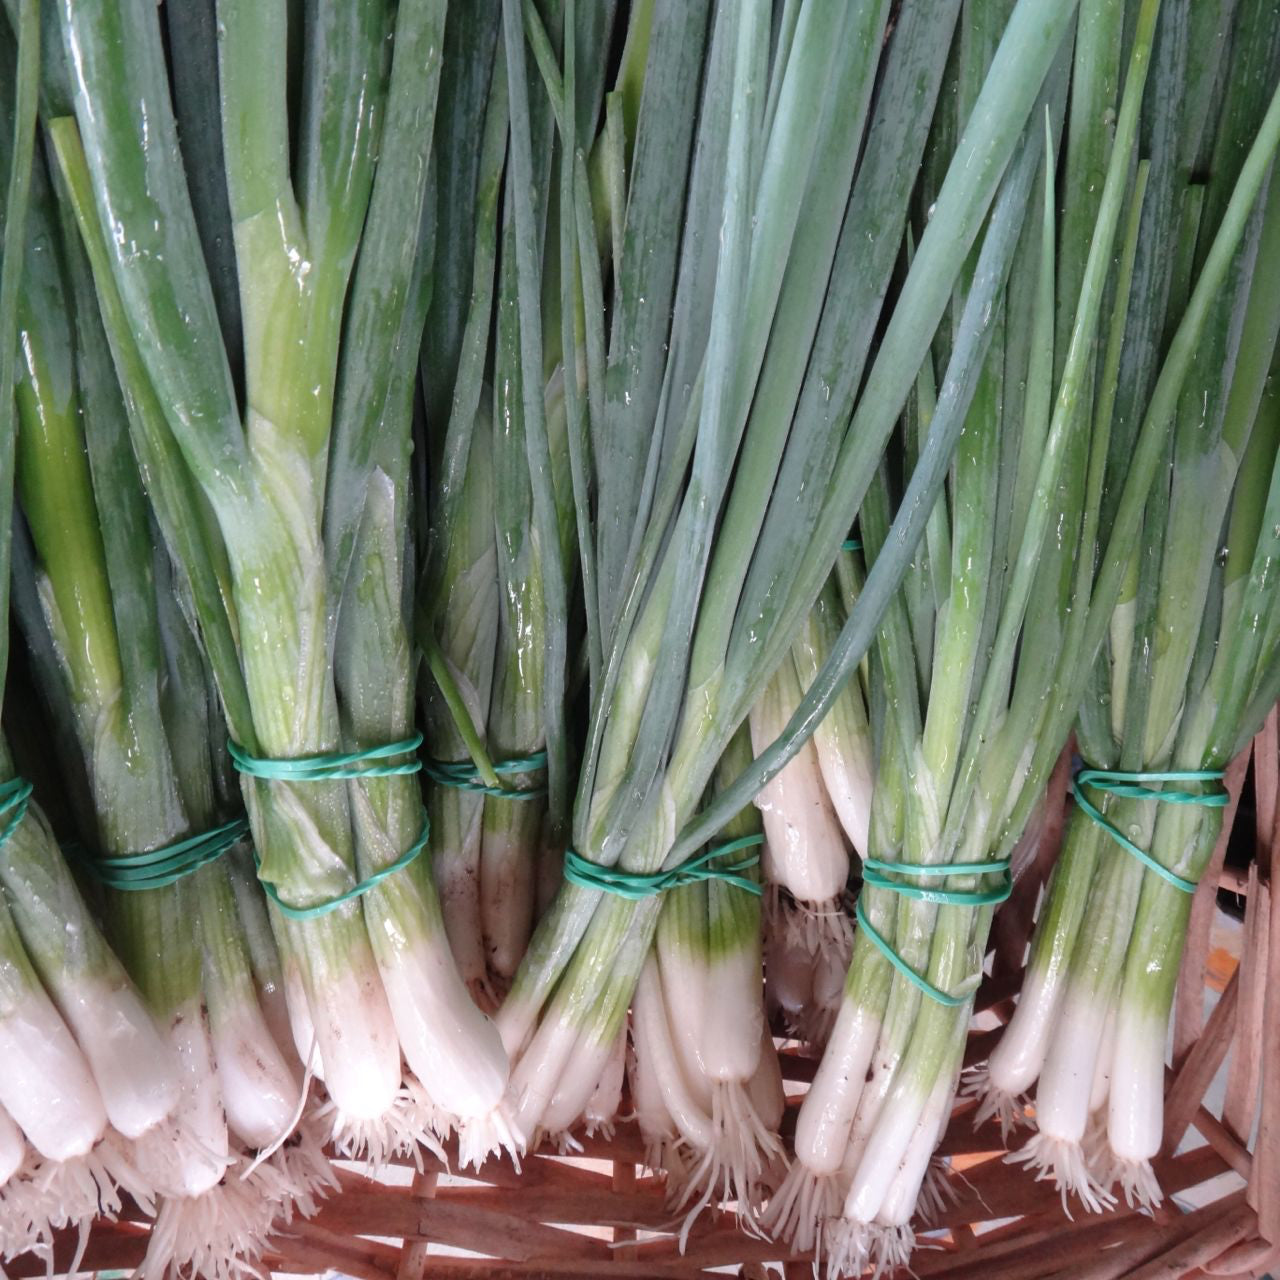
299	563
121	670
84	1064
695	559
436	431
999	633
494	596
1187	672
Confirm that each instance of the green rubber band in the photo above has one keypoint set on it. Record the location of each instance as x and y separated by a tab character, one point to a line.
851	544
333	767
636	885
873	867
934	993
14	796
1130	785
370	882
160	867
463	775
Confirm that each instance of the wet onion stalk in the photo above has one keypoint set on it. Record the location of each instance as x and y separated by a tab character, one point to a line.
813	811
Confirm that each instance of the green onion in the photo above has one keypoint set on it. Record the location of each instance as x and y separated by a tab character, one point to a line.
687	656
308	496
1091	1022
699	1028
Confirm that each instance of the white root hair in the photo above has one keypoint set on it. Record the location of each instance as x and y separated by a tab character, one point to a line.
1137	1182
937	1191
800	1208
411	1123
849	1248
741	1164
821	935
45	1196
672	1157
1008	1109
221	1233
480	1137
1064	1163
564	1142
604	1126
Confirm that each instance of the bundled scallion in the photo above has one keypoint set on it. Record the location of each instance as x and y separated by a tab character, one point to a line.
299	565
120	664
1033	576
718	527
1186	675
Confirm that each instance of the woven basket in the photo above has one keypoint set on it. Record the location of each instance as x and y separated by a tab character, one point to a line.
600	1212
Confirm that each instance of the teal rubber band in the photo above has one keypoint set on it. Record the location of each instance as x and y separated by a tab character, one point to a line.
1130	784
944	998
851	544
872	869
636	885
160	867
333	767
370	882
464	776
14	796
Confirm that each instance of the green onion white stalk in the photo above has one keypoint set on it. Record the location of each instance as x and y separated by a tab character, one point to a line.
700	1026
806	863
604	1106
843	739
259	1080
13	1148
816	936
46	1084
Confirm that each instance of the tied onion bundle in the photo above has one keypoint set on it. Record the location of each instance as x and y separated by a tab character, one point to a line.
81	1051
124	674
496	589
1015	633
711	599
299	562
1184	679
83	1058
